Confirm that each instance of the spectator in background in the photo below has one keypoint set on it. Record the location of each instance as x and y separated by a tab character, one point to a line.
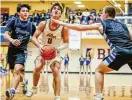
47	16
88	61
99	13
5	15
72	17
91	19
42	16
85	17
93	13
36	17
98	20
86	12
66	63
81	60
4	18
85	20
79	15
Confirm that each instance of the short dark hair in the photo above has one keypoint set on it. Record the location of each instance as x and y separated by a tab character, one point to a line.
58	4
20	6
110	11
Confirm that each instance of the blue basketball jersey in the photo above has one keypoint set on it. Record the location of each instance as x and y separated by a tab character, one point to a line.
117	36
21	30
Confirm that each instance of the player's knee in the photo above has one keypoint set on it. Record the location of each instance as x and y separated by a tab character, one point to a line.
98	70
56	70
55	67
38	69
17	71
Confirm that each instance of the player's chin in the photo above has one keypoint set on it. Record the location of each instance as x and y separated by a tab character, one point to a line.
56	16
25	17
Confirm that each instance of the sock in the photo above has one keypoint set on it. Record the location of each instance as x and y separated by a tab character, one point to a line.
57	97
12	90
35	87
1	65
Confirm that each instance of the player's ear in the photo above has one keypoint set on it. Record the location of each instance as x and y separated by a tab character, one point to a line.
106	15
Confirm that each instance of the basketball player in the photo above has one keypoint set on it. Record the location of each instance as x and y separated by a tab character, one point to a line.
118	37
18	32
51	34
66	63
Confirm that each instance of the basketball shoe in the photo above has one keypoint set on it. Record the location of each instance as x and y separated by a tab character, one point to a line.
10	94
98	96
31	92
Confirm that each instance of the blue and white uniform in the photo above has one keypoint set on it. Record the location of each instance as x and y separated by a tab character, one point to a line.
81	59
66	60
117	36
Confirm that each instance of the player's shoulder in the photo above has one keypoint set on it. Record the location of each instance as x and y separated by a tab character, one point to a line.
42	23
12	21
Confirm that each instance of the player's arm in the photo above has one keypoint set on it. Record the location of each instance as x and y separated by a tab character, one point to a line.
7	36
37	33
65	38
78	27
9	29
130	33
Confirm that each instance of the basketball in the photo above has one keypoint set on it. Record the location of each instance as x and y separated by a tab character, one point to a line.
49	52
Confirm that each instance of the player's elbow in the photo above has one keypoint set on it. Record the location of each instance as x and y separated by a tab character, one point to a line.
5	35
34	38
81	29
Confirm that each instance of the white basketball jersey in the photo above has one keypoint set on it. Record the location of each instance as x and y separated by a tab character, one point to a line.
51	37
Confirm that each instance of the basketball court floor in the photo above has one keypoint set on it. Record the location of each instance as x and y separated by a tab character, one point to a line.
74	87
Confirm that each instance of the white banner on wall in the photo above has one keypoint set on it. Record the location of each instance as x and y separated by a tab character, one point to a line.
91	34
74	40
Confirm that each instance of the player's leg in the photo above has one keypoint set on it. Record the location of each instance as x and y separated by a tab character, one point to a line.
36	73
15	81
11	61
83	69
86	69
67	68
64	68
110	63
55	67
99	80
80	69
99	76
39	62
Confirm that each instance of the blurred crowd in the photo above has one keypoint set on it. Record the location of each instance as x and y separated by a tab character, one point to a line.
36	17
71	16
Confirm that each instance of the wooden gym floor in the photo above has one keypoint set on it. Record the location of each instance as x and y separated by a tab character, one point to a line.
117	87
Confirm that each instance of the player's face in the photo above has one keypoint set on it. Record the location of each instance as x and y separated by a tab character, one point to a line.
56	12
24	13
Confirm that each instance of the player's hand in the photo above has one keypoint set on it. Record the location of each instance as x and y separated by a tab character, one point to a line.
57	50
16	42
41	48
57	21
